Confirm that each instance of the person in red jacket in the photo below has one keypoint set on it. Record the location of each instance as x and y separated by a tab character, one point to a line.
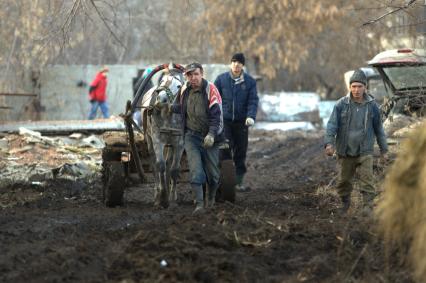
97	94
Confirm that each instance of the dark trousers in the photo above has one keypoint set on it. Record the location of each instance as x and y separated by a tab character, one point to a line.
347	167
237	134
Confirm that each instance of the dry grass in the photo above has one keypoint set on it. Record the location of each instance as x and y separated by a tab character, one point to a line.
402	210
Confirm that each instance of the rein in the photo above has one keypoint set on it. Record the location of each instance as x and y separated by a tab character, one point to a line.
169	93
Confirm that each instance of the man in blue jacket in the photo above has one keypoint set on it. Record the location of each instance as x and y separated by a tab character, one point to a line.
353	125
239	103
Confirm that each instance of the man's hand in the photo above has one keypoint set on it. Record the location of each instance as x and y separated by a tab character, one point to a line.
208	141
249	122
329	150
91	88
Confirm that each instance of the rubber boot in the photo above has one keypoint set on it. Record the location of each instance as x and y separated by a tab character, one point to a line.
199	198
212	196
239	179
368	198
346	203
239	187
368	203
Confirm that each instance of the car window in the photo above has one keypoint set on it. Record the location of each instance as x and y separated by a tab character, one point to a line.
377	88
403	77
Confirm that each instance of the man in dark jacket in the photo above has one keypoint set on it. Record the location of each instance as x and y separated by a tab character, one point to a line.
97	94
239	96
200	104
353	125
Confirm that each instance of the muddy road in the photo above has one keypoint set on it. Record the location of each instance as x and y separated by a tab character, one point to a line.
286	229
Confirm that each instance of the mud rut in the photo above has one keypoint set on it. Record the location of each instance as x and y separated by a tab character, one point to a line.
286	229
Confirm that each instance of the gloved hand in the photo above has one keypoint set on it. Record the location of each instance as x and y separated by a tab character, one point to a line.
249	122
208	141
329	150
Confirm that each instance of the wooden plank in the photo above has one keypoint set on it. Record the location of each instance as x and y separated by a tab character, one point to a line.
17	94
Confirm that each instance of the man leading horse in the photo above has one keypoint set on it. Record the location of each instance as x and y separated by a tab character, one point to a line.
200	105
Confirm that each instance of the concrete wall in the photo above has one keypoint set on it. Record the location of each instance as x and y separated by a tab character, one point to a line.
64	90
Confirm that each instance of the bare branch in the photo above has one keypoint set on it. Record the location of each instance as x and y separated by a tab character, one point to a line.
106	24
408	4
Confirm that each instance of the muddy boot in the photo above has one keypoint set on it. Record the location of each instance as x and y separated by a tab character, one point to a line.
199	208
239	187
367	203
211	196
346	203
242	188
197	190
368	199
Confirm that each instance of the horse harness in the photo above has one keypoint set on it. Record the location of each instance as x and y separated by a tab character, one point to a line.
148	112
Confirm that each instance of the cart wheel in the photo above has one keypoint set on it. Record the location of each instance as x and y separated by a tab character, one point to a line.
226	190
114	182
108	154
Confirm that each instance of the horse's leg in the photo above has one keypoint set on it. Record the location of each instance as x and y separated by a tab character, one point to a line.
160	164
154	169
175	169
169	159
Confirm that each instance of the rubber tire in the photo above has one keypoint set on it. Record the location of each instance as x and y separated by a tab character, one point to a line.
114	183
228	180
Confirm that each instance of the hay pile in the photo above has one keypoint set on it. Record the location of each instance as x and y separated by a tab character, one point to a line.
402	211
397	122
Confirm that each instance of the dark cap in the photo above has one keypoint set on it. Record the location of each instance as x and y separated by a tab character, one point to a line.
359	77
239	57
192	67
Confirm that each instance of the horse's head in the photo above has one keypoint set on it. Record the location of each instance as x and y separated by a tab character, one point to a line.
169	86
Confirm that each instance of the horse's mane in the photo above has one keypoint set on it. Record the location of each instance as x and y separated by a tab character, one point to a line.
146	99
173	72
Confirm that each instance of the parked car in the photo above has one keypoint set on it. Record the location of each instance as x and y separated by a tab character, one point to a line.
404	74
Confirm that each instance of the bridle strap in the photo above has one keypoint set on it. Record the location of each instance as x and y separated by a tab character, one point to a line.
170	96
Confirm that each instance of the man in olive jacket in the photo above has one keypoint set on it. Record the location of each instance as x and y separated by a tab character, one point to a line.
200	105
353	125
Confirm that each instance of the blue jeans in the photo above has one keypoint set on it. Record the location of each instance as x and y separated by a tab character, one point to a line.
104	108
203	163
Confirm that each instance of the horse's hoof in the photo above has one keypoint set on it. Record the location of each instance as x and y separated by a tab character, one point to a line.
173	205
165	204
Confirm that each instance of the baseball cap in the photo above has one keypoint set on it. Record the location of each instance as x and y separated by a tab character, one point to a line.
193	66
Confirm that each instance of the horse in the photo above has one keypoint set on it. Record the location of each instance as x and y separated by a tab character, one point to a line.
163	135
